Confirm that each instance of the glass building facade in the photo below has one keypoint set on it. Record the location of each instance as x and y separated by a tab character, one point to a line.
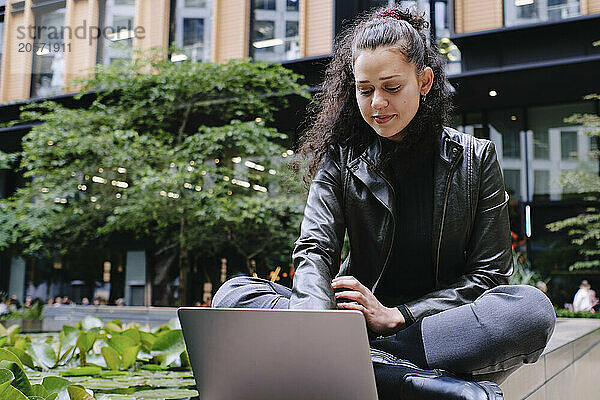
275	30
192	29
519	12
116	18
47	77
535	146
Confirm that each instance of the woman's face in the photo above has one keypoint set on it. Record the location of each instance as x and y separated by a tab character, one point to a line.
388	90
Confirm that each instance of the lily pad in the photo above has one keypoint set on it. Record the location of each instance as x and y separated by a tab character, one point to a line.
112	358
10	356
113	373
23	356
20	380
91	322
67	339
86	340
169	345
82	371
103	384
165	394
148	340
55	384
40	391
6	375
133	334
152	367
43	354
114	326
7	391
120	342
129	356
79	393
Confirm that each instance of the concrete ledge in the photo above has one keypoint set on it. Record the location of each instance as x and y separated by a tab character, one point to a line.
568	369
55	317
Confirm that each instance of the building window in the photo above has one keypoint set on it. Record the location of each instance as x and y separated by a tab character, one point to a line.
265	4
568	145
541	183
275	30
518	12
117	22
195	3
559	146
47	77
293	5
505	131
192	29
512	182
291	31
473	124
264	32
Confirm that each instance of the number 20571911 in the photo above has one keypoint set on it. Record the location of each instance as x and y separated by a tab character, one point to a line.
44	48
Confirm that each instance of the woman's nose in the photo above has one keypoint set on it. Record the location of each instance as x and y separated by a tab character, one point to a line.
379	101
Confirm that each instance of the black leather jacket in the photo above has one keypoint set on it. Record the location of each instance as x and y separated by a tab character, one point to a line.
470	239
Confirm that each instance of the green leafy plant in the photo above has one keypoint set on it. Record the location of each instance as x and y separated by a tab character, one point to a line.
95	360
523	274
563	313
35	312
151	161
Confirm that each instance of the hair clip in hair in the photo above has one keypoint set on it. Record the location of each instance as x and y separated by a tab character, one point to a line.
390	14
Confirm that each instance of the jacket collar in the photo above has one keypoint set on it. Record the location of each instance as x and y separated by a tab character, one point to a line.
448	149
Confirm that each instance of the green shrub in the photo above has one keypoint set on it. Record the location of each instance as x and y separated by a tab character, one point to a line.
563	313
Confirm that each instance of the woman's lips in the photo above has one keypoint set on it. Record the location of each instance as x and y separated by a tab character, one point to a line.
382	119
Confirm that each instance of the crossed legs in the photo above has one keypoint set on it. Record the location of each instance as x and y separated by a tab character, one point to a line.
488	339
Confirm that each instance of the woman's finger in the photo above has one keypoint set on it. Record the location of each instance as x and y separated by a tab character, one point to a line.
352	306
352	295
348	282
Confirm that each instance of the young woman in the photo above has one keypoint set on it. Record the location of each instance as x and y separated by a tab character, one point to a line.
425	211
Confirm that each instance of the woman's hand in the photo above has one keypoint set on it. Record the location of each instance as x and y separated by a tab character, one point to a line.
380	319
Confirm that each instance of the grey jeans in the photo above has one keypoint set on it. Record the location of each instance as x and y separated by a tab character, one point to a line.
488	339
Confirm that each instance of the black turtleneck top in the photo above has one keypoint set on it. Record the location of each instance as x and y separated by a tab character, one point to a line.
409	273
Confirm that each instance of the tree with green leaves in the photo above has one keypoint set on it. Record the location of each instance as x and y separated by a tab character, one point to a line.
179	158
584	229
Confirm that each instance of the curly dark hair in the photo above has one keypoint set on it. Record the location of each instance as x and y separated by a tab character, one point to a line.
334	116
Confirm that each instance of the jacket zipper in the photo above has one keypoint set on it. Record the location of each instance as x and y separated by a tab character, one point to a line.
393	231
437	255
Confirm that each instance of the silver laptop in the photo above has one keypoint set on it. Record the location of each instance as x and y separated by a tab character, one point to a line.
254	354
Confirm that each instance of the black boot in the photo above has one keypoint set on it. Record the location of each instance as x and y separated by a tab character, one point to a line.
402	380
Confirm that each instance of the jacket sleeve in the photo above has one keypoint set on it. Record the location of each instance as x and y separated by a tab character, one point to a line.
316	255
488	254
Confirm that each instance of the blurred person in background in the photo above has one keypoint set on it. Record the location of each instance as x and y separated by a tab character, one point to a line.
3	306
584	299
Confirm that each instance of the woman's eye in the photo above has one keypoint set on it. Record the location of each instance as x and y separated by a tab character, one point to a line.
394	89
365	92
